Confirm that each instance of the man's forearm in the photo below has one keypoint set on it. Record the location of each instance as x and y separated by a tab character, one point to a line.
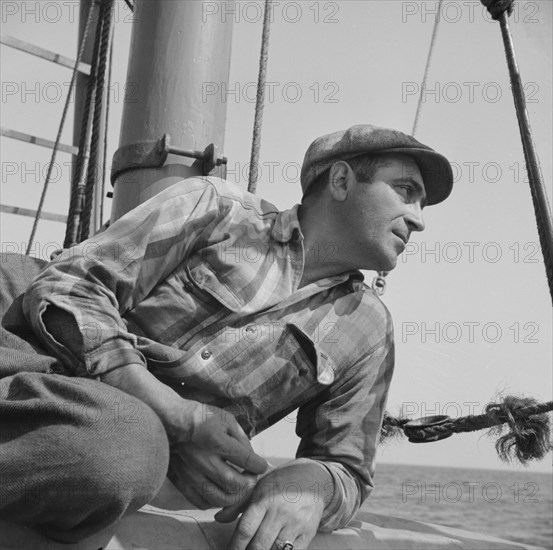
177	415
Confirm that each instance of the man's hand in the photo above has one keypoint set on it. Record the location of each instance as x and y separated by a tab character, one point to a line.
206	469
208	446
286	506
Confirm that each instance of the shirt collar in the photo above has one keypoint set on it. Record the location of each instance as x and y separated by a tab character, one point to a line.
287	226
354	277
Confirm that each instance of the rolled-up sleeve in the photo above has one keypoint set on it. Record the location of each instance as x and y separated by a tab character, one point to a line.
89	287
340	429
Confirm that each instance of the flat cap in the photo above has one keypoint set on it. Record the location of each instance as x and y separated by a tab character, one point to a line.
365	139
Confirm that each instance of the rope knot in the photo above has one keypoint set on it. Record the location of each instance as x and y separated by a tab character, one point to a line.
527	420
497	7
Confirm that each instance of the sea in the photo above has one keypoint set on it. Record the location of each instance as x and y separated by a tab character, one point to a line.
510	504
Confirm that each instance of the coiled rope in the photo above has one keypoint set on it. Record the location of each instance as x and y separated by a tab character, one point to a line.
260	99
528	436
80	54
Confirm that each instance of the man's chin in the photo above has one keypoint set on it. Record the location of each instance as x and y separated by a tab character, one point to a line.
382	262
387	264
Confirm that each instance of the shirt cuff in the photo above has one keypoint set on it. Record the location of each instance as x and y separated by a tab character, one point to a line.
87	350
343	501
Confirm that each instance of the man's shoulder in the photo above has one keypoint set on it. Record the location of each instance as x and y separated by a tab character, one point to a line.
231	195
357	325
364	307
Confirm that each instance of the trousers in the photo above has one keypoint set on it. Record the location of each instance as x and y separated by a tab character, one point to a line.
75	454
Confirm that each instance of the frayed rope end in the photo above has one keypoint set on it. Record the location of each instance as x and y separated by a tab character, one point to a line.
528	437
392	428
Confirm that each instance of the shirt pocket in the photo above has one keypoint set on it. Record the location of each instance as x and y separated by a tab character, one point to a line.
283	376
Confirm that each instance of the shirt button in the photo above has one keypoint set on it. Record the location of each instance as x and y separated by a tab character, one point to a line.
303	371
206	354
250	329
326	377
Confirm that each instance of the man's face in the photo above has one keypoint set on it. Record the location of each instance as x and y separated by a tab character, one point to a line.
384	212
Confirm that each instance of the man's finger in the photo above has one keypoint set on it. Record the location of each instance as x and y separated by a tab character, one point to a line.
194	481
243	457
229	513
236	431
247	528
267	534
230	479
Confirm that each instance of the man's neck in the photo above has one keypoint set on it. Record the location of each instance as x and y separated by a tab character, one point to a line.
323	256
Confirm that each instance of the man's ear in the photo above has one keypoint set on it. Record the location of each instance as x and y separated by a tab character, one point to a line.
340	180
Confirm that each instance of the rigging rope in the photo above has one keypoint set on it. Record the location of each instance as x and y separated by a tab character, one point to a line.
71	231
542	210
78	189
106	124
80	54
527	439
427	67
379	282
529	427
94	169
260	100
500	10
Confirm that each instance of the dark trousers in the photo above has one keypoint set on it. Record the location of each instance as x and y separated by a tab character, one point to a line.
75	454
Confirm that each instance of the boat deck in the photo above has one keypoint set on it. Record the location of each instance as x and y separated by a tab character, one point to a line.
168	523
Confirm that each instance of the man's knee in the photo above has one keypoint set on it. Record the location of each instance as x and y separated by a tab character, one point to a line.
92	454
142	454
126	463
118	478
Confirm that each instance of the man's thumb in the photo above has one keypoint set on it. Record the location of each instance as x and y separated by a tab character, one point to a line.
229	513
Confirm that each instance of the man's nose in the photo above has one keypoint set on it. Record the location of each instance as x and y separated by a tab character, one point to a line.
415	219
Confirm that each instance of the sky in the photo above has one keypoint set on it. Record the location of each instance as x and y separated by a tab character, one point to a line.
469	297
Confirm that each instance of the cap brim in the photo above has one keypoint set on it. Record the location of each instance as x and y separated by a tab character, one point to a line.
435	169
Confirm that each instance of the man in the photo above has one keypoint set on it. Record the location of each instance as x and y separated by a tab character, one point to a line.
222	315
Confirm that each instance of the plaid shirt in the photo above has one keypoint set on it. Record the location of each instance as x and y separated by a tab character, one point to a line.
200	283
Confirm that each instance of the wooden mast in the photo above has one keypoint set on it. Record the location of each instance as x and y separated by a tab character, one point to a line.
178	49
